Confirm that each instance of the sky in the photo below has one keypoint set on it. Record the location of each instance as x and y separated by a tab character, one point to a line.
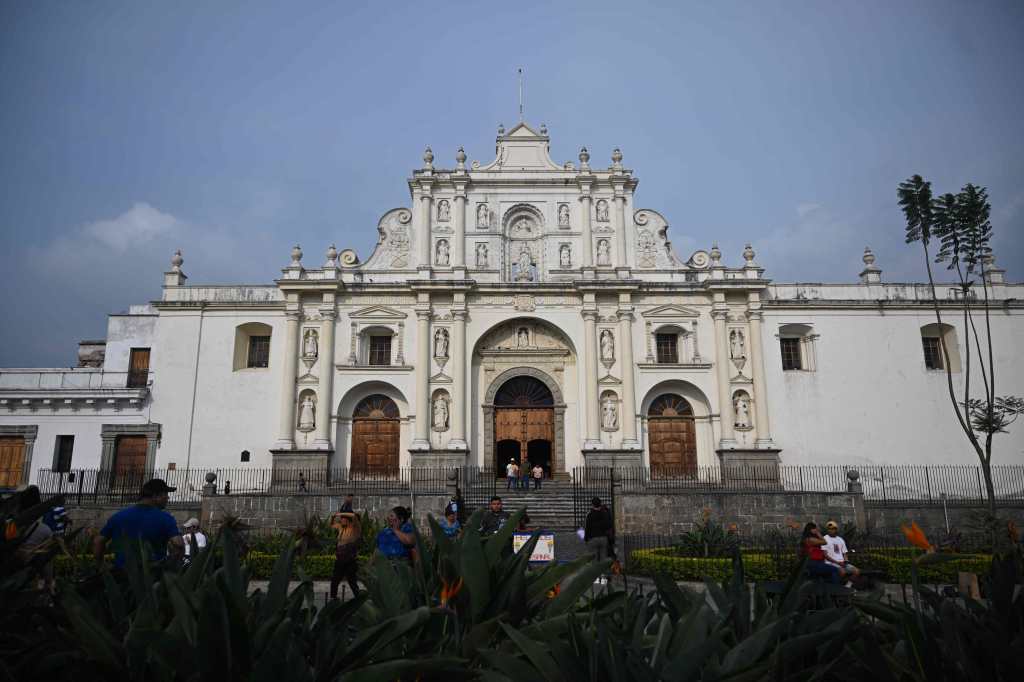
234	130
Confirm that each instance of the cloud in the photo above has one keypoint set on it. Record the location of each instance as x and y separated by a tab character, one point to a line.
136	226
805	208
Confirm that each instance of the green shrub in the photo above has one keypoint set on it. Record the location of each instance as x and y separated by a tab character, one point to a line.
895	565
667	562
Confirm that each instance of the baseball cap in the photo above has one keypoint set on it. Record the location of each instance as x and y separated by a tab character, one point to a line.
832	524
192	523
155	486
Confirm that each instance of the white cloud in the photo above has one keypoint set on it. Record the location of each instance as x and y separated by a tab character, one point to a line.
138	225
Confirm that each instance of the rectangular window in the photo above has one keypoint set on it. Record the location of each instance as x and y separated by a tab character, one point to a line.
932	353
259	351
790	354
668	350
380	350
62	453
138	368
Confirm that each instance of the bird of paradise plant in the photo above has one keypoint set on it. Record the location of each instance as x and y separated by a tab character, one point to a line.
449	590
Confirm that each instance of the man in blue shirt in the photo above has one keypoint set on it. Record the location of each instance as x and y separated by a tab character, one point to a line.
147	521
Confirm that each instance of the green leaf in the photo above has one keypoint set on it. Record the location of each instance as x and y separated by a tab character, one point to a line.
581	581
537	654
475	571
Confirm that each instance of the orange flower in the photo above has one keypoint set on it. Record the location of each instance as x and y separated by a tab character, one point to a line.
10	531
916	536
616	567
553	592
449	590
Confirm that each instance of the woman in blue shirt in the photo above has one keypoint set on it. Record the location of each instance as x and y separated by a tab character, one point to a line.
450	523
398	540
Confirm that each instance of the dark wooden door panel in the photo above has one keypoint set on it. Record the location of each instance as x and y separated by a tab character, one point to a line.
375	444
672	446
12	456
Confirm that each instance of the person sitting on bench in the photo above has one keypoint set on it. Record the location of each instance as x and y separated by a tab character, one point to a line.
811	544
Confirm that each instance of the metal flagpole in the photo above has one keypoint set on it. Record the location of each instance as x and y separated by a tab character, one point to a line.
520	94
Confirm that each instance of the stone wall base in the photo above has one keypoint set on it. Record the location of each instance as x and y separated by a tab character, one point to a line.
612	457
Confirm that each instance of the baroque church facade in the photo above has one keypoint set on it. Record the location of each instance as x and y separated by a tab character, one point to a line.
521	310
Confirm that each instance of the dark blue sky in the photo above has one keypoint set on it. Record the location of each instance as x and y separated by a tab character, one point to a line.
235	130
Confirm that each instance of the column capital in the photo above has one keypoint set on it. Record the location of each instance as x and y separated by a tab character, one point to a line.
626	313
720	313
293	315
328	314
589	315
755	315
423	314
459	314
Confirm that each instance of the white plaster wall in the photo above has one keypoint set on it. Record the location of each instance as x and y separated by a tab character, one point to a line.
871	400
125	332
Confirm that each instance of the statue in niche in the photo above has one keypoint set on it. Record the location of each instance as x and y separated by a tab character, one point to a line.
737	346
741	404
443	211
565	256
524	273
522	337
440	413
609	414
607	346
602	211
483	216
563	215
307	414
441	257
310	344
441	343
481	255
604	256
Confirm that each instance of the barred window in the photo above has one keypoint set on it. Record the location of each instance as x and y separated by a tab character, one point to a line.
380	350
790	354
62	454
932	353
259	351
668	348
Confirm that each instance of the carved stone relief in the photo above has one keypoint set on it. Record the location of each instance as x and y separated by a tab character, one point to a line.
397	239
563	215
646	254
602	211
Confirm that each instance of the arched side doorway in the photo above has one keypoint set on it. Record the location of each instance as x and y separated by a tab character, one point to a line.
524	420
672	437
375	436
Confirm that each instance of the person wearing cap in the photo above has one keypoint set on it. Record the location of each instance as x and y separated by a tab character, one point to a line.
194	540
145	520
836	552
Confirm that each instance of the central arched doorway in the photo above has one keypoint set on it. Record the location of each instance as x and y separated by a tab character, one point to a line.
524	424
375	436
672	437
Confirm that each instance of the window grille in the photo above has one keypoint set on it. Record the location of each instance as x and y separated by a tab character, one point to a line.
790	354
932	352
380	350
259	351
668	348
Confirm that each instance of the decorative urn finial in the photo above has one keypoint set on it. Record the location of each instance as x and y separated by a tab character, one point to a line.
460	158
584	159
543	129
748	254
296	256
617	159
869	256
501	129
332	256
428	158
716	254
176	261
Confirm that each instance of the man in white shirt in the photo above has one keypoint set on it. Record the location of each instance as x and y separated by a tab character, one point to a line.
836	551
194	539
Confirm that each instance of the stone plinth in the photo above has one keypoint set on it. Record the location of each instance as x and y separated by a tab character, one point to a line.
613	457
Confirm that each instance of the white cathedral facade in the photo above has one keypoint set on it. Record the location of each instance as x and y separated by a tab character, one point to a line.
517	309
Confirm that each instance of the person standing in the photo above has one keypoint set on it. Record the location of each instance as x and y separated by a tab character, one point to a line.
346	552
347	504
597	530
144	521
511	474
449	523
397	542
194	540
538	476
811	544
494	518
524	473
302	483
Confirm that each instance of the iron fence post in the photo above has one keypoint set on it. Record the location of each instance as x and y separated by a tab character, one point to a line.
981	492
928	482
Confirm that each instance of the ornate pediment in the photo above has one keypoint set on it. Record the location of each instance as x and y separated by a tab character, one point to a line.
377	313
671	310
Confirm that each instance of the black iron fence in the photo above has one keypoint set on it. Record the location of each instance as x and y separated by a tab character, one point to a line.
954	484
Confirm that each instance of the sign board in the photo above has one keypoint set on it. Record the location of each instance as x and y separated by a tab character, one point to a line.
544	550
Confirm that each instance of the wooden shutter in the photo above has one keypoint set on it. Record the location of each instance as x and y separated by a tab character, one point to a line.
12	459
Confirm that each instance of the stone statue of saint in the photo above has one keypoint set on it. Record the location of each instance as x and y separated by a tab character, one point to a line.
603	252
607	345
609	414
742	407
310	343
440	413
442	252
522	337
307	414
441	343
563	215
525	261
443	210
736	344
482	216
481	255
602	211
565	256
